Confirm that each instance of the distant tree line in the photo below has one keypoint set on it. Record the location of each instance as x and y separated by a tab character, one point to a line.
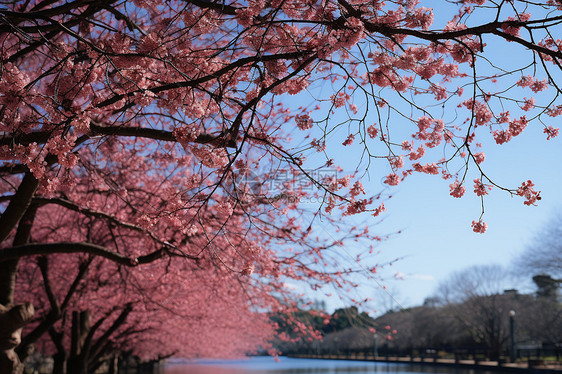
469	313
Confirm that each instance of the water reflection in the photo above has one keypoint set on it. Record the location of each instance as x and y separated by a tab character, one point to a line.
266	365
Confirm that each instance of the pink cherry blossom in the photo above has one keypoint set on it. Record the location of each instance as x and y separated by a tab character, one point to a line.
304	122
551	132
349	140
480	188
372	131
526	190
457	189
379	210
479	227
392	179
479	157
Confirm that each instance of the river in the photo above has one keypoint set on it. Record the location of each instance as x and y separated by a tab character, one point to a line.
285	365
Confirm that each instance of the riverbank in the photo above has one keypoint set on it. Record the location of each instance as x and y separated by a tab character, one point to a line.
533	366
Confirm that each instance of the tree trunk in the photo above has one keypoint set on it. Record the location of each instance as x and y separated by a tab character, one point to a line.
114	365
59	364
12	321
13	318
78	360
8	271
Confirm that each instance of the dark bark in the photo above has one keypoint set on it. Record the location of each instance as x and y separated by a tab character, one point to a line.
65	247
33	249
12	321
13	214
17	210
18	205
56	312
114	365
9	268
59	364
8	271
13	318
96	350
81	326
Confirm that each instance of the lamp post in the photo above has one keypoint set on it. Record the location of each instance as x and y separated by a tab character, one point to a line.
375	348
512	335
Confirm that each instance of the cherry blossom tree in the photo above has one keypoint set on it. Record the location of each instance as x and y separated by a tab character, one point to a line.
92	302
165	122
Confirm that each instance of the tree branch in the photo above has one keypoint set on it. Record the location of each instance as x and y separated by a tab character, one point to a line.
43	264
94	213
54	315
18	205
96	348
67	247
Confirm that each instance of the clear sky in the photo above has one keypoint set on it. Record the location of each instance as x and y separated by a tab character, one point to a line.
436	238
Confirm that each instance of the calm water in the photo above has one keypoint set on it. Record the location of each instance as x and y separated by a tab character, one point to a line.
266	365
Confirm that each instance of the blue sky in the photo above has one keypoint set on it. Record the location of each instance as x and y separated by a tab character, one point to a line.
436	238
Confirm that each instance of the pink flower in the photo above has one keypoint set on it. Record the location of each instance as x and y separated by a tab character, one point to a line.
372	131
81	123
525	81
538	86
349	140
526	190
504	117
480	188
554	111
417	154
224	208
186	134
248	269
517	126
304	122
551	132
479	157
356	207
407	146
457	189
509	29
379	210
392	179
357	189
396	162
529	104
145	222
320	146
479	227
502	136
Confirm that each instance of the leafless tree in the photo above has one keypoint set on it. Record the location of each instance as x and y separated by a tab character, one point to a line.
476	299
544	254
